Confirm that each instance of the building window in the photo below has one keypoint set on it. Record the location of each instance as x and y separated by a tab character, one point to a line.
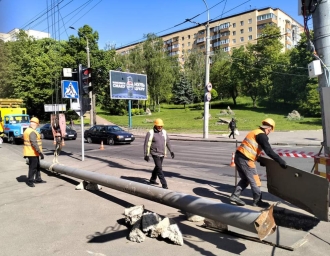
234	25
250	21
182	45
188	43
182	38
250	29
242	39
250	37
234	33
195	35
234	41
242	23
242	31
188	36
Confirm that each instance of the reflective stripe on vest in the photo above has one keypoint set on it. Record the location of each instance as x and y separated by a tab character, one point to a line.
152	132
28	150
250	147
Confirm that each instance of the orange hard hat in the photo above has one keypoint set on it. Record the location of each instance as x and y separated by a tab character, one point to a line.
158	122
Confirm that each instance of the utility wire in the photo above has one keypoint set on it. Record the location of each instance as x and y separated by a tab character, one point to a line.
43	14
142	39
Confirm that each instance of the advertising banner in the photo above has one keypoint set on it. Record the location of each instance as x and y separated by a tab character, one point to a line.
128	86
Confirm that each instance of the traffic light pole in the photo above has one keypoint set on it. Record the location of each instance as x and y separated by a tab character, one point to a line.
207	77
81	113
92	121
321	27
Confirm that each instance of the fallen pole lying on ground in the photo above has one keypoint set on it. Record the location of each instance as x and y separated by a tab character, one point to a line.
261	223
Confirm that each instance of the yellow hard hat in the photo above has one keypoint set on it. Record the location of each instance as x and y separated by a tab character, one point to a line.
35	120
269	122
158	122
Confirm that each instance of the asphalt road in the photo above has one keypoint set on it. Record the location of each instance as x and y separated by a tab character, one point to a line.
198	158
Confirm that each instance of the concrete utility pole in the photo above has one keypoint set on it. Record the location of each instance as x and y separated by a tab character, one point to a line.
321	27
261	223
207	76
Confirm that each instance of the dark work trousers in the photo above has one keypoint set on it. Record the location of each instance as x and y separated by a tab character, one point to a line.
232	133
158	170
34	168
249	176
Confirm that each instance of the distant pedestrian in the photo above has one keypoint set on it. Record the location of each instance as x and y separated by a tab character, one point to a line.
246	155
71	123
32	150
155	144
232	127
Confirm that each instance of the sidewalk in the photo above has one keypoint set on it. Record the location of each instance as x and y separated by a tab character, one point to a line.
290	138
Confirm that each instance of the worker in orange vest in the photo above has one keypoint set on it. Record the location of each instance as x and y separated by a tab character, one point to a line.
32	150
245	157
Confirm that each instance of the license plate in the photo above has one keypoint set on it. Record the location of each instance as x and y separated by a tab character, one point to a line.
71	135
127	138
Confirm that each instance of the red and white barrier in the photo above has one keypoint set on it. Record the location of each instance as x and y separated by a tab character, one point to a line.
293	153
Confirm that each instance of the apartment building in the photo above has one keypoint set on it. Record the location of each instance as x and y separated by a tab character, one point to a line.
11	35
230	32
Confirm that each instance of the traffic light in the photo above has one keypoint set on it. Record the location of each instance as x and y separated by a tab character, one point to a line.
85	79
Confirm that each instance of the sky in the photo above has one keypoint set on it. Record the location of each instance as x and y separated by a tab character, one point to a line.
122	22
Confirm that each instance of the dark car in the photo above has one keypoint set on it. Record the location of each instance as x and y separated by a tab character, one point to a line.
109	134
47	133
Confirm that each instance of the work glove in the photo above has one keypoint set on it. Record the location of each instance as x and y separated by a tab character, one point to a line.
172	155
146	158
283	164
41	156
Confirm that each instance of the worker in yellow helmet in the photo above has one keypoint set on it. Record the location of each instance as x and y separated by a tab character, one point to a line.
246	155
32	150
155	144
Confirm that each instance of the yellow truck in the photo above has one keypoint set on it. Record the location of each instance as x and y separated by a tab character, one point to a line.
13	119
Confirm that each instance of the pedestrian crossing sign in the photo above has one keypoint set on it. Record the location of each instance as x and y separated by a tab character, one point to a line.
70	89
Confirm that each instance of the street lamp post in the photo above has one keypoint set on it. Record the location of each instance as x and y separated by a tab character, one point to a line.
92	116
207	77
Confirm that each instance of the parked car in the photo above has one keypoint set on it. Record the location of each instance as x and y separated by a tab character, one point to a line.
109	134
47	133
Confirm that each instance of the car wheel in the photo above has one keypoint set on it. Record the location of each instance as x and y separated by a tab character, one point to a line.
11	139
89	140
42	136
110	141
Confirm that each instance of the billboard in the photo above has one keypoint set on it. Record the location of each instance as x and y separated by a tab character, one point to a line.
128	86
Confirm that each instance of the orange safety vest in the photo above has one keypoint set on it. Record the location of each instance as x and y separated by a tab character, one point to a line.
250	147
28	150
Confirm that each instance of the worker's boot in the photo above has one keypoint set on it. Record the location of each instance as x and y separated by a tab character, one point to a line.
234	198
257	202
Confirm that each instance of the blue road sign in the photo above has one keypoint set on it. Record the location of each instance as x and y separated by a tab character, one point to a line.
70	89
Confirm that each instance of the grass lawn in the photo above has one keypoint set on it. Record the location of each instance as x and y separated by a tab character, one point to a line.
177	119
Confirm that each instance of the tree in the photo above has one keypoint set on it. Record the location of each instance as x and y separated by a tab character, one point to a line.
160	70
223	78
182	92
33	72
194	71
243	68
